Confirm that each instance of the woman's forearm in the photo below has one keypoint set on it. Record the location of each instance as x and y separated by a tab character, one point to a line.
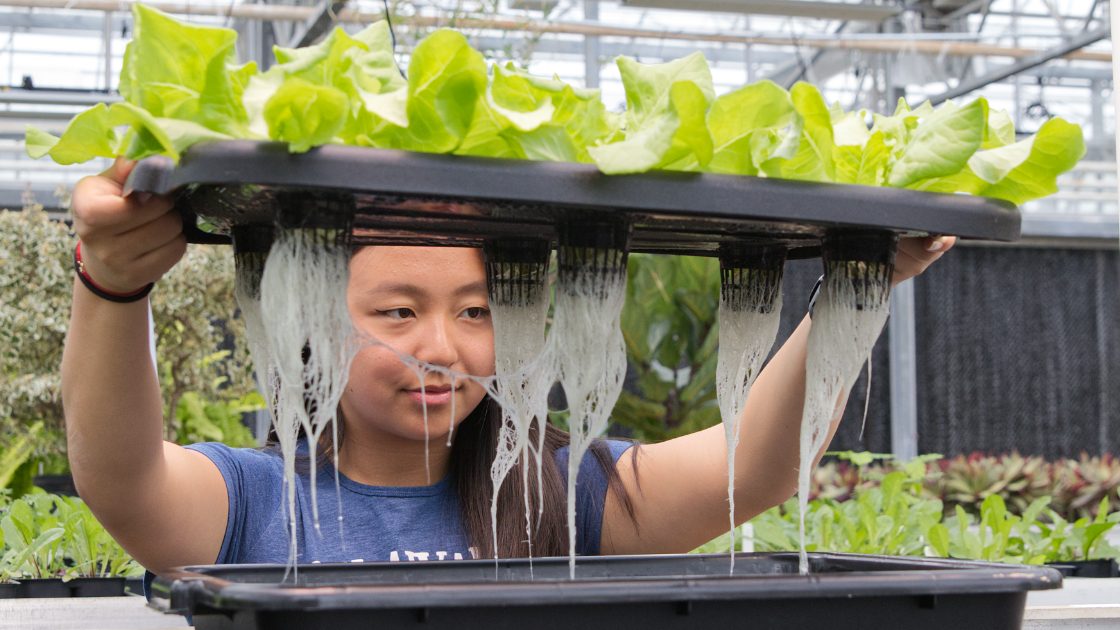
110	396
768	457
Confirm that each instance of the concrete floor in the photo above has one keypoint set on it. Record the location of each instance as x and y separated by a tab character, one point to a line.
85	613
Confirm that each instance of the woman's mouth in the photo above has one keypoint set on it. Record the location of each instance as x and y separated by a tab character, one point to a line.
431	396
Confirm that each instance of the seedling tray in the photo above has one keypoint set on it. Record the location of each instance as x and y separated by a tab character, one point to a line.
685	591
54	587
422	199
1102	568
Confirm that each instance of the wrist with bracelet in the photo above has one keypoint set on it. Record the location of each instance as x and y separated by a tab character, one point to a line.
814	293
101	292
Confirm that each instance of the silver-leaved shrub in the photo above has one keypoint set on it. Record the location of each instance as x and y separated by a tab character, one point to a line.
200	342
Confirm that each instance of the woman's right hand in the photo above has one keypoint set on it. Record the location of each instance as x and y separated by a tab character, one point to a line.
127	242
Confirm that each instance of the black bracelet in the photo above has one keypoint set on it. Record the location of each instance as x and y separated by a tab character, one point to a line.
814	293
80	268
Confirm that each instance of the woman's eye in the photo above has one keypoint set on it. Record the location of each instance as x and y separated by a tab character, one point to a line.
476	312
398	313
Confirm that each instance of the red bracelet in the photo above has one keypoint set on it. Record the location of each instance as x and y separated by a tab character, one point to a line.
100	292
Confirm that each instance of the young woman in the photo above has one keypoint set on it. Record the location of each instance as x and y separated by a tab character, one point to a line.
170	505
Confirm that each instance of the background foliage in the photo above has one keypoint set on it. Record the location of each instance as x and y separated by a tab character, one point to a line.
892	510
1075	487
49	536
670	327
200	346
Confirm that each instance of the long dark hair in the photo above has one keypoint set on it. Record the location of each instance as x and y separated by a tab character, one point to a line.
472	450
469	465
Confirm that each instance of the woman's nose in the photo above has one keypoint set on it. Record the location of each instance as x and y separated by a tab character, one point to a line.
436	344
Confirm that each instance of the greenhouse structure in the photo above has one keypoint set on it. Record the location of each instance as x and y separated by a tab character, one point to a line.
654	183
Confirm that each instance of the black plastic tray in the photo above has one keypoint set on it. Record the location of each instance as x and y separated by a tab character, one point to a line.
1102	568
425	199
686	591
78	587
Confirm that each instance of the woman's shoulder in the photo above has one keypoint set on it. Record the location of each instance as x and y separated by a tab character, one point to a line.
593	468
241	462
615	447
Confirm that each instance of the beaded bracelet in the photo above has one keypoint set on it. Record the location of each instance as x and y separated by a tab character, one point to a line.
121	298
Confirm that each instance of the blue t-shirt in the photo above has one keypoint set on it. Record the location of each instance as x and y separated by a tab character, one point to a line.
379	522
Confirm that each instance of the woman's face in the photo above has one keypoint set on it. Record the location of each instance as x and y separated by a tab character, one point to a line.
427	302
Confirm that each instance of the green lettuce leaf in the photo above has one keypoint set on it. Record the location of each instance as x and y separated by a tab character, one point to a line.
941	144
567	138
897	128
377	62
813	159
515	102
97	132
548	143
89	135
305	115
361	67
584	120
1017	172
446	80
525	103
864	165
849	128
181	86
185	72
487	135
754	115
1010	175
1000	130
666	113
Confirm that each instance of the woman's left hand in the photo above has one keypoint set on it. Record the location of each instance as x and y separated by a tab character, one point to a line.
915	254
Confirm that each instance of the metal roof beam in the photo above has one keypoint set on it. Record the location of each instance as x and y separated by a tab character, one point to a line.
55	97
847	11
1075	43
46	22
296	13
822	64
609	49
971	7
60	21
318	24
1070	72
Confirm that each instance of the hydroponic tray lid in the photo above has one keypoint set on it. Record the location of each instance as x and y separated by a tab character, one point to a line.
685	591
425	199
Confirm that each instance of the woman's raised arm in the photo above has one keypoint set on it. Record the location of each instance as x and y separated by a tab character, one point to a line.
166	505
679	488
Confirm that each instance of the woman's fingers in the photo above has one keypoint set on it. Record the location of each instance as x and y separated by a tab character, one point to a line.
125	261
935	244
927	249
99	206
127	242
120	169
164	257
915	255
155	233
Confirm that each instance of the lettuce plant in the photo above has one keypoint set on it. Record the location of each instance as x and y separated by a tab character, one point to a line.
893	517
182	85
49	536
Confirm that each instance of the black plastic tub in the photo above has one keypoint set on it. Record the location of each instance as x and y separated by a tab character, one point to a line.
647	592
